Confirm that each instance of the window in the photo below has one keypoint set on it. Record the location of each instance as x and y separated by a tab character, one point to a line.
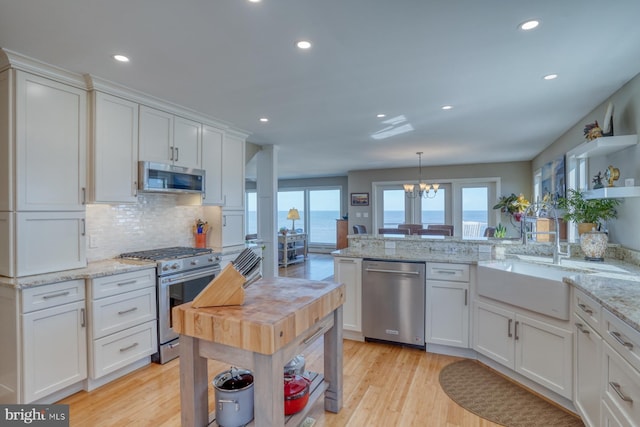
324	209
433	210
393	207
475	213
251	214
286	201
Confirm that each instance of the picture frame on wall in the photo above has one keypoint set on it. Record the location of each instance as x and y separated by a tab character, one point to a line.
359	199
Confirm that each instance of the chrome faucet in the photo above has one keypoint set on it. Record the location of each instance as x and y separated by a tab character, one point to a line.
532	211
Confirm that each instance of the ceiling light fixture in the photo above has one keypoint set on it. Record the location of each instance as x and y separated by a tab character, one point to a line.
529	25
447	107
264	119
414	191
120	58
303	44
255	1
381	116
550	77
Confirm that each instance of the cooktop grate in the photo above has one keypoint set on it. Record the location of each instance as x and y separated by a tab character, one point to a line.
166	253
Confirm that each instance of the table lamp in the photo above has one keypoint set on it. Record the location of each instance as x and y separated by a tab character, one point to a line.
293	215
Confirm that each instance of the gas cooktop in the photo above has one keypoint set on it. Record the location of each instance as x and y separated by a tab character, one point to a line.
175	252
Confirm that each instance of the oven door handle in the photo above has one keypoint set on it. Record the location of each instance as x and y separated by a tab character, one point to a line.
186	277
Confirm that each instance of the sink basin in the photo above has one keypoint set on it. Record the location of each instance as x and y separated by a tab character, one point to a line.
535	287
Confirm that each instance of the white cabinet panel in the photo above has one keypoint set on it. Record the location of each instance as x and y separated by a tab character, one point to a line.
6	142
447	321
49	241
118	312
156	135
118	350
51	140
114	154
186	143
233	172
493	333
349	272
7	239
212	162
621	383
232	228
54	350
587	372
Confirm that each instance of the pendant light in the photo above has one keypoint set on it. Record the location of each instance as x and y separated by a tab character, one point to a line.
414	191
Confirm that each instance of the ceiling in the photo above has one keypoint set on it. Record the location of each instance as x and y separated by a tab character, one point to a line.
236	61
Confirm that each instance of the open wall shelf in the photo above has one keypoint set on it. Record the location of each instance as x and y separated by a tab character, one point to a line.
602	146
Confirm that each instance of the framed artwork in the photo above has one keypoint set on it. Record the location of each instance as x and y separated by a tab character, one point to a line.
359	199
558	178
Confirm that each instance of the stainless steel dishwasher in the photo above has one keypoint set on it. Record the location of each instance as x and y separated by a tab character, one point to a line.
393	301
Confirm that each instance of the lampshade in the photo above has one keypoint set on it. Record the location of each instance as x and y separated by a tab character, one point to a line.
293	214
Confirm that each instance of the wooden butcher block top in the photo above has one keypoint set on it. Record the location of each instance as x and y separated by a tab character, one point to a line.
275	311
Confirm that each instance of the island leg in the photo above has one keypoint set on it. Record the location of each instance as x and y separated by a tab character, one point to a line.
194	399
268	390
333	363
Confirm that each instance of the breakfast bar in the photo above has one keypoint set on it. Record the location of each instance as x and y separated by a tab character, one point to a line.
280	317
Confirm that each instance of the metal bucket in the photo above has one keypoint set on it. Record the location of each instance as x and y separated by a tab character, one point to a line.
234	397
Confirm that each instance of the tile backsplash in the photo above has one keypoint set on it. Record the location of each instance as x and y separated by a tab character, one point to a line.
156	221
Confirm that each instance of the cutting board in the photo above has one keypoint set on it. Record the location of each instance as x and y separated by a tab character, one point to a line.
275	312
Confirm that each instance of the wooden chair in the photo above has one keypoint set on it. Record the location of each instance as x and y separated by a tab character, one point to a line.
403	231
441	227
432	232
359	229
411	227
489	232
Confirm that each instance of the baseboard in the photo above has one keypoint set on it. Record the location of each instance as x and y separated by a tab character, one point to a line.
60	394
467	353
91	384
353	336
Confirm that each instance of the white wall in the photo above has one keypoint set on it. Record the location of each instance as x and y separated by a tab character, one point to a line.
626	120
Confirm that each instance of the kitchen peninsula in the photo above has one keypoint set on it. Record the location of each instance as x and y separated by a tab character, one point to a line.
280	317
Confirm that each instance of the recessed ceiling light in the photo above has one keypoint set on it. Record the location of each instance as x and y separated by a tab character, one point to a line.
381	116
447	107
255	1
303	44
264	119
529	25
121	58
550	77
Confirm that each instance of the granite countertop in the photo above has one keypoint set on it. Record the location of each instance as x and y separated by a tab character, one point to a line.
92	270
415	255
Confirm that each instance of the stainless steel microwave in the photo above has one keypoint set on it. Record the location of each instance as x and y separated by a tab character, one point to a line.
164	178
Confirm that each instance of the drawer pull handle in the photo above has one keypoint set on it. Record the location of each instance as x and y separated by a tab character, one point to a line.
127	348
616	387
130	282
466	297
581	328
585	308
59	294
315	335
446	271
618	337
127	311
509	334
515	330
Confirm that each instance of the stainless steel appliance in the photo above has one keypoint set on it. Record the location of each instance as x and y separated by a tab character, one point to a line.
393	302
163	178
182	272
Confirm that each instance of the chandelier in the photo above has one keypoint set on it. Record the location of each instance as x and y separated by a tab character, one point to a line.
414	191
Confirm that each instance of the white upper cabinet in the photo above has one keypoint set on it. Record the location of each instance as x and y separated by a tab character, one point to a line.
50	145
114	149
233	172
212	163
165	138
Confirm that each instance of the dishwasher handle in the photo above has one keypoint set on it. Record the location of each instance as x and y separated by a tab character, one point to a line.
381	270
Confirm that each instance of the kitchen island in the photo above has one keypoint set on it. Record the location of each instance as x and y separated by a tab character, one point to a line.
280	317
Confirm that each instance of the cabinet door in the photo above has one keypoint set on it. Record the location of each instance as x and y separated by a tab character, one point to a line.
587	372
233	172
51	140
156	135
6	142
49	241
114	157
54	350
544	354
232	228
212	163
186	143
7	237
493	333
447	320
349	272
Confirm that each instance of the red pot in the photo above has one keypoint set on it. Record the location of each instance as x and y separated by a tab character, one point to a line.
296	393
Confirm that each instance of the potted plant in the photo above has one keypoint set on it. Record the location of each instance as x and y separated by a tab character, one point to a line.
589	214
512	205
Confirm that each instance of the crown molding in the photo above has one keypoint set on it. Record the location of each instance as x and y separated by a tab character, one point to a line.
14	60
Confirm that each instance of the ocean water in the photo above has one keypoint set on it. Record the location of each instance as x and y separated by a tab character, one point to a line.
323	223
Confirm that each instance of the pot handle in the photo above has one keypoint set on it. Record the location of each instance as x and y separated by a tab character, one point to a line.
222	401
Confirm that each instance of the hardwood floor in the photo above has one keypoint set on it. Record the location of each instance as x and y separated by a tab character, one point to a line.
384	385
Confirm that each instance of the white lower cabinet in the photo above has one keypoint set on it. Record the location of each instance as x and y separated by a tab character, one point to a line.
54	343
612	419
447	307
123	321
530	346
232	228
348	271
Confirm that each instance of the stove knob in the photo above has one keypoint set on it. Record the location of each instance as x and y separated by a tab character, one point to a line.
175	266
194	262
165	267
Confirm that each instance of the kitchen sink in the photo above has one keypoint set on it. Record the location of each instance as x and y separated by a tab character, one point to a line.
535	287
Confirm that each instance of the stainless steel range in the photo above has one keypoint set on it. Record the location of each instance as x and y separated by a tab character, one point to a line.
182	272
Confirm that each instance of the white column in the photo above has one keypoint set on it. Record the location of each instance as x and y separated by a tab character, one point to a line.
267	206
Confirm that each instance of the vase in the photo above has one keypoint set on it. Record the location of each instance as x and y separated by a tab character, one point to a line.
594	245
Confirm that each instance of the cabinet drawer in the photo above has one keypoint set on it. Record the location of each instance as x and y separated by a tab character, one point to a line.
46	296
123	348
623	338
621	384
448	272
588	309
122	311
118	283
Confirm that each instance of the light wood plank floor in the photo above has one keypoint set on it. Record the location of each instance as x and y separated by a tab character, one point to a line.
384	385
